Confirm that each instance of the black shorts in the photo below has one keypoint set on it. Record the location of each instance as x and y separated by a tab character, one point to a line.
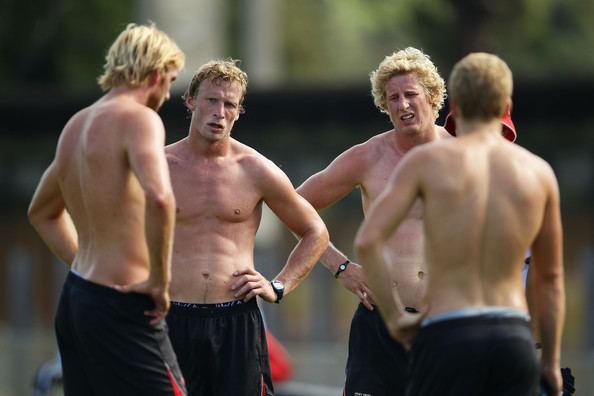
108	346
475	355
221	348
377	364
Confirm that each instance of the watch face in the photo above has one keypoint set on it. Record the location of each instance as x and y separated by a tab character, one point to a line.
278	285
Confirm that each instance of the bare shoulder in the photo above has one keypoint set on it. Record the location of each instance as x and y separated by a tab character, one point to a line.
538	165
368	149
254	163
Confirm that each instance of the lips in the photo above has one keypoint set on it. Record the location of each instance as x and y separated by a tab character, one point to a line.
406	117
215	126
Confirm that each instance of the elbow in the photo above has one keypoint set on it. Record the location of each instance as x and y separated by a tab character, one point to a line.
365	244
163	200
34	216
321	234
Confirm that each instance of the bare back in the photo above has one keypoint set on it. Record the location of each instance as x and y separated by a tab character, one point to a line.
101	191
484	206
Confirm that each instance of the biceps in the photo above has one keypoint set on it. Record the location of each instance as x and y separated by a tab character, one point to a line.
294	211
324	189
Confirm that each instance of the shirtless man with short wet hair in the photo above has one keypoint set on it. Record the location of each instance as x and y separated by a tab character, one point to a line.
496	201
105	207
220	186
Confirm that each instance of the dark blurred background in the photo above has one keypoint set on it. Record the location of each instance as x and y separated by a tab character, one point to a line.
308	100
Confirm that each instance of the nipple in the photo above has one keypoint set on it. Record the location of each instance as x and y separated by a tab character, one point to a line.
237	211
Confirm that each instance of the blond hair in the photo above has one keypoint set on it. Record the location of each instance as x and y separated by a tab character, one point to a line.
408	60
136	52
481	85
219	70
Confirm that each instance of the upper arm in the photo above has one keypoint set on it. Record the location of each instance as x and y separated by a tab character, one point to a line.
395	201
290	207
335	181
146	153
548	244
47	201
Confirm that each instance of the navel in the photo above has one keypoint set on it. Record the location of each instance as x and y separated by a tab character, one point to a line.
421	274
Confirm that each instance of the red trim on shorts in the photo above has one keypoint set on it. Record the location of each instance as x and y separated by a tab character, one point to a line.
177	391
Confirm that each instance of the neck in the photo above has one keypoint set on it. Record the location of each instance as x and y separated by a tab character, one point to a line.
208	148
138	94
405	142
466	127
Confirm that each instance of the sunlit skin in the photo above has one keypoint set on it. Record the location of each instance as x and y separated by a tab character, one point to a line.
220	185
479	222
105	205
369	166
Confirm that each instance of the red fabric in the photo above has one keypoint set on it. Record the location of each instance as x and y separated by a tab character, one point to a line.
281	367
177	391
508	129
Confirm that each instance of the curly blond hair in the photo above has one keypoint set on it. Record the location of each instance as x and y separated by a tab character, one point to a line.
408	60
219	70
136	52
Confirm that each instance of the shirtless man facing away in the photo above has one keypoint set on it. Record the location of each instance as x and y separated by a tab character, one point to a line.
105	207
220	186
496	201
407	87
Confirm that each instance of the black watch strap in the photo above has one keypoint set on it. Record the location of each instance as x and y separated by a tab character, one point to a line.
341	268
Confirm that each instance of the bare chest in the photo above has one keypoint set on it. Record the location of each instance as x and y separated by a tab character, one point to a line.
214	194
376	180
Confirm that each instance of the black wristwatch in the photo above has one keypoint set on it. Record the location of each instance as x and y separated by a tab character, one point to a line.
341	268
278	288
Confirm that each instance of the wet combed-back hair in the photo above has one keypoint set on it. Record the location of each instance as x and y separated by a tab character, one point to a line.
219	70
136	52
481	84
409	60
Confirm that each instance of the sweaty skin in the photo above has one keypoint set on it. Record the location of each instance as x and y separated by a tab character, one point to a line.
107	188
220	185
369	166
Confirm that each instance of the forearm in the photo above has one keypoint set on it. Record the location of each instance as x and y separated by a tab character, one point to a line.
307	252
59	234
332	258
378	278
160	222
551	316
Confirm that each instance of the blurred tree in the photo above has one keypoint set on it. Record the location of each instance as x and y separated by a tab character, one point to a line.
57	43
60	43
334	40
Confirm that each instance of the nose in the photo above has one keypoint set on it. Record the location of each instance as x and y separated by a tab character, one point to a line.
403	103
219	110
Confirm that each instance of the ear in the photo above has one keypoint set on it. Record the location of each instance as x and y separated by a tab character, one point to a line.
508	106
189	102
154	78
453	107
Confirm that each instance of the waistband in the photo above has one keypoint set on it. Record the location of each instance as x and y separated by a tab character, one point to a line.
407	309
217	309
73	279
474	312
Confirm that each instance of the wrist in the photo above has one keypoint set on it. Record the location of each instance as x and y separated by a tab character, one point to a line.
341	268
